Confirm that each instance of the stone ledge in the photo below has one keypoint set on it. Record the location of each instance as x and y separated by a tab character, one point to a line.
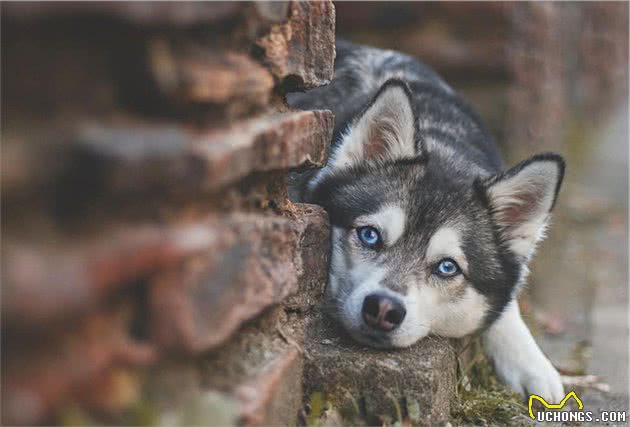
373	385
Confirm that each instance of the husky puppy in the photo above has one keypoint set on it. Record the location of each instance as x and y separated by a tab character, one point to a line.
429	234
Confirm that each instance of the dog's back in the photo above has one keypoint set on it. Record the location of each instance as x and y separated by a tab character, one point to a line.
443	115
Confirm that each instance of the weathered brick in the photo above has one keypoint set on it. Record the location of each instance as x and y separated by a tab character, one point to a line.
420	380
156	157
314	251
215	77
254	262
47	281
254	379
280	141
182	14
126	195
172	385
261	368
192	61
301	52
274	396
69	364
220	78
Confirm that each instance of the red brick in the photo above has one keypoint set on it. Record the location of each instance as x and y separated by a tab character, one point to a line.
222	78
304	47
280	141
261	369
182	14
314	251
255	262
253	379
274	396
61	365
151	159
130	157
48	281
218	78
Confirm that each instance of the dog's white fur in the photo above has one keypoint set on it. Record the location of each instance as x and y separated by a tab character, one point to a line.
390	220
446	243
518	360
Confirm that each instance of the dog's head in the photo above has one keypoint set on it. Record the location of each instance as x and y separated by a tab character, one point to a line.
421	244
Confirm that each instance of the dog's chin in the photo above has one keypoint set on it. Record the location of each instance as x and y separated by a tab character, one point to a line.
382	341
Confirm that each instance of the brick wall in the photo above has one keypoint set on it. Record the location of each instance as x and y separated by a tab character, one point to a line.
154	270
148	240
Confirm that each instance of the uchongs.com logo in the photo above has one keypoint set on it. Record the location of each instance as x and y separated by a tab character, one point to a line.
554	412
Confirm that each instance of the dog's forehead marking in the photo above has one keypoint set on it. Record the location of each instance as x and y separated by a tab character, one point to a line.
446	242
389	219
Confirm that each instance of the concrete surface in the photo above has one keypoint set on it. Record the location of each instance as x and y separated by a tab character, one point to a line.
375	386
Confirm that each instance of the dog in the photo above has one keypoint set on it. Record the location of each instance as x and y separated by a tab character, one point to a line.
429	234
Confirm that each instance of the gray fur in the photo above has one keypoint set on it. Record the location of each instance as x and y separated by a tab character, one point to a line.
452	179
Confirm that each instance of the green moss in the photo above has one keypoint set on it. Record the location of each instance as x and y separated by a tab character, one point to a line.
317	406
481	400
73	415
478	406
339	407
413	410
140	413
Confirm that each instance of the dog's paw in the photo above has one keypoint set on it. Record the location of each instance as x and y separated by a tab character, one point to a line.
518	361
536	377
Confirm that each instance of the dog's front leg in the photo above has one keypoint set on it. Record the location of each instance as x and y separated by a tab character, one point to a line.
517	359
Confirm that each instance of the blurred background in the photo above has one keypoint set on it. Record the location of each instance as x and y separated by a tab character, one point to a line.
154	270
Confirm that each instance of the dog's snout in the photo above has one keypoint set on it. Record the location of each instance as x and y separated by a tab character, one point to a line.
382	312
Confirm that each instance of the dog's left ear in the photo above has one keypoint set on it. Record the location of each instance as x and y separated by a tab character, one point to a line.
385	130
521	200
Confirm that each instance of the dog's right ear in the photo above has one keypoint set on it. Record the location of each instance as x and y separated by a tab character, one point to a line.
384	131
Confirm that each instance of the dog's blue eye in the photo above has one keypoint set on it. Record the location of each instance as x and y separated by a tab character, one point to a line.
447	268
369	236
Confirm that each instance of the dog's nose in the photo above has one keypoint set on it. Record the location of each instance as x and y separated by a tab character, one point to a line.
382	312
